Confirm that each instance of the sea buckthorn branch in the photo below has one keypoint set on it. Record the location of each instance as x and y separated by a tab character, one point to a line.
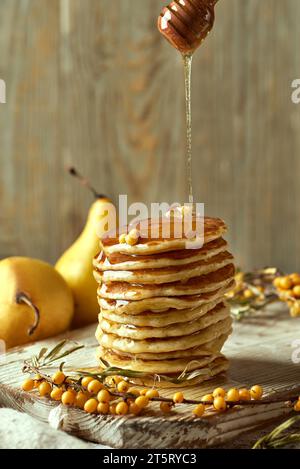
106	392
278	437
255	290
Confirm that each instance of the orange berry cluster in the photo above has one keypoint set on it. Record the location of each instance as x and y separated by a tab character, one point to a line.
243	291
220	400
288	289
95	397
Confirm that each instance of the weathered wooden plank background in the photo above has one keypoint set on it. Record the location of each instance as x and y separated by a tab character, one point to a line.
91	83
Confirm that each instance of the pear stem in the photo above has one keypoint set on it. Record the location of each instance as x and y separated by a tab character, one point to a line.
85	182
21	297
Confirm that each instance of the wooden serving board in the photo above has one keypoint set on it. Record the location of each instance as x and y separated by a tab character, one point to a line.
260	351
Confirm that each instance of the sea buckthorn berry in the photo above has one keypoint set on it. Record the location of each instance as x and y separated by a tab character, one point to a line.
295	309
68	398
219	392
277	282
248	293
103	408
134	391
28	385
122	238
296	291
103	395
295	278
208	398
286	283
244	394
132	237
285	295
37	380
94	386
112	409
91	406
143	392
233	395
142	401
80	399
122	408
122	386
134	233
134	409
166	407
178	398
152	393
58	378
297	406
71	390
45	388
199	410
220	404
117	379
56	394
86	381
256	392
130	241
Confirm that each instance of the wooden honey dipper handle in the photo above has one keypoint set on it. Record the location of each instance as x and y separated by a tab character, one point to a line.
186	23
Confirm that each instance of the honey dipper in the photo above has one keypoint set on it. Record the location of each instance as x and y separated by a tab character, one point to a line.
186	23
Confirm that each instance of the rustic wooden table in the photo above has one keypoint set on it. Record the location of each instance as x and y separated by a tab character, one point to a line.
261	351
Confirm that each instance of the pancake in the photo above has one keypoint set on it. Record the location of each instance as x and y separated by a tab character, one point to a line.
161	319
217	314
166	274
212	347
118	261
213	228
175	365
205	368
111	341
196	285
218	366
163	304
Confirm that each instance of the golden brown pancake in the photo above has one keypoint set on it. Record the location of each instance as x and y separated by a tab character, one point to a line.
163	304
217	314
161	319
213	228
124	344
208	348
119	261
175	365
198	375
166	274
196	285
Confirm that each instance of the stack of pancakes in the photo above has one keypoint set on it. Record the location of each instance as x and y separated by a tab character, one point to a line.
162	305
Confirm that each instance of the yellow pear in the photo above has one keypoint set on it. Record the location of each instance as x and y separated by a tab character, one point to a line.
35	301
76	264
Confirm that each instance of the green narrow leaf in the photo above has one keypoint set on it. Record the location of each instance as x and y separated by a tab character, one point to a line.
55	350
42	352
67	352
275	439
